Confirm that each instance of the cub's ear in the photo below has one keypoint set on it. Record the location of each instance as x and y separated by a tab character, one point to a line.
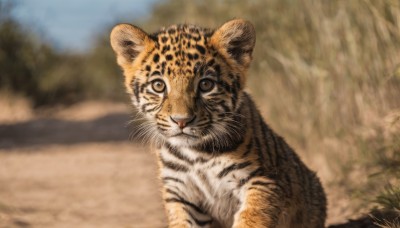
236	39
128	42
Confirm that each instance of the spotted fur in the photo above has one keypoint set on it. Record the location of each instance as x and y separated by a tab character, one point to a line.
221	165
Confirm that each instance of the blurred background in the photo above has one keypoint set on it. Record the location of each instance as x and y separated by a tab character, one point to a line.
326	76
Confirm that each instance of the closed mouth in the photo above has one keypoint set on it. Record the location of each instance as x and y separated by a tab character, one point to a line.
184	135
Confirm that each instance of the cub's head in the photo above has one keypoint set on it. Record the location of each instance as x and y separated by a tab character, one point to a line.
187	81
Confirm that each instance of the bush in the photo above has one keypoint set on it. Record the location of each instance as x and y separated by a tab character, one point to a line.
34	69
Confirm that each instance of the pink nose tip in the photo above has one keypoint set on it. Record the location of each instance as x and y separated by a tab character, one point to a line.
182	121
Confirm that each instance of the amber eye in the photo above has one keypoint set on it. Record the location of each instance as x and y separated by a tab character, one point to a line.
206	85
158	85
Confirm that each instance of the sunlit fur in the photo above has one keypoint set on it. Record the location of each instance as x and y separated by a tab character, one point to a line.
215	111
223	166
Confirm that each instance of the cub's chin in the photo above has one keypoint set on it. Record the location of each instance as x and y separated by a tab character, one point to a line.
183	139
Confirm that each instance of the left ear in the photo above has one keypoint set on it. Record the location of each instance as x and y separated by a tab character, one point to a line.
236	39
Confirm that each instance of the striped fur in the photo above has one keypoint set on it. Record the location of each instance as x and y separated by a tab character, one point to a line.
222	166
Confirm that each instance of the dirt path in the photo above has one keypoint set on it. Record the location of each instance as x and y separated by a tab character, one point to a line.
91	185
77	168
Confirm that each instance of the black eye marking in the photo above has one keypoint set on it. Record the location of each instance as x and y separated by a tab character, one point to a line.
210	62
217	70
210	72
171	31
158	85
156	73
163	64
206	85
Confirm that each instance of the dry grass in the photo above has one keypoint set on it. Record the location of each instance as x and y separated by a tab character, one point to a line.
326	75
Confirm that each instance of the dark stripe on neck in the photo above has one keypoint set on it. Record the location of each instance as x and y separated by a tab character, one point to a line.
174	166
178	154
233	167
165	179
211	148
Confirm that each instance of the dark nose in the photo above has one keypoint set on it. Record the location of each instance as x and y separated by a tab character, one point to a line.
182	121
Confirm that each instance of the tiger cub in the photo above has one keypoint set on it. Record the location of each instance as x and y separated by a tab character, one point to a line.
220	163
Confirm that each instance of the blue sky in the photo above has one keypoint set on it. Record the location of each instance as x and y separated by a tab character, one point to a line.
71	24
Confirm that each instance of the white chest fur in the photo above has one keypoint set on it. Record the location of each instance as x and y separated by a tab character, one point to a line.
207	181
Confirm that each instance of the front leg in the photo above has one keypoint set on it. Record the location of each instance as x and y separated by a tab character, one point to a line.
182	213
262	205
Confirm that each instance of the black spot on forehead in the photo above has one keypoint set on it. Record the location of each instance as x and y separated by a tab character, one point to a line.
165	49
183	32
156	57
164	39
193	30
201	49
171	31
181	45
188	35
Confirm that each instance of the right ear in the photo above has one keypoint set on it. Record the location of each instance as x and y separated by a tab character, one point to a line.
128	42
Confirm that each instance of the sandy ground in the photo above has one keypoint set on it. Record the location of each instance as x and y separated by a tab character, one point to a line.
76	167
